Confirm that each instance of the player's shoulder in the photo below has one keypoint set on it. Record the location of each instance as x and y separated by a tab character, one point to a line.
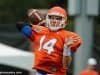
40	29
71	33
63	33
66	32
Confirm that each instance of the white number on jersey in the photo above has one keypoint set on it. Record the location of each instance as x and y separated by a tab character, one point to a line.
49	45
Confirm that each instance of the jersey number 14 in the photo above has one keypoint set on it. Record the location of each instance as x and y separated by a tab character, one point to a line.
49	45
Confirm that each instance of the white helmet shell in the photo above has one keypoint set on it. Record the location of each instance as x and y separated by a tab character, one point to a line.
92	61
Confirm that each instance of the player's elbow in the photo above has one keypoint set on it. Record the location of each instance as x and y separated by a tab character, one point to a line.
24	28
27	31
75	46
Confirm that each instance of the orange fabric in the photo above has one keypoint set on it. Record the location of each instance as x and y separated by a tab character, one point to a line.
93	72
46	41
77	43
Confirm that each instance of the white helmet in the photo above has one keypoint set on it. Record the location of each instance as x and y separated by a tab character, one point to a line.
92	61
53	24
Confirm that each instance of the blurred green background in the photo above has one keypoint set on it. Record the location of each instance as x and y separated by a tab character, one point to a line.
14	10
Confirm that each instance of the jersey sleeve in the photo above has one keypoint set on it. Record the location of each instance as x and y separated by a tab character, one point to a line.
76	41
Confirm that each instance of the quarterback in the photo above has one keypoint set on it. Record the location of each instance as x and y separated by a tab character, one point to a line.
52	43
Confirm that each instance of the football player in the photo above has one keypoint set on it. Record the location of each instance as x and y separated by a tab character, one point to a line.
52	43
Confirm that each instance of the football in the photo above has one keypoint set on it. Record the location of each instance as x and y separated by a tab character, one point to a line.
35	16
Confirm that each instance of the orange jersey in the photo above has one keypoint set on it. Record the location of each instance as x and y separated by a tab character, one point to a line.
48	47
93	72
